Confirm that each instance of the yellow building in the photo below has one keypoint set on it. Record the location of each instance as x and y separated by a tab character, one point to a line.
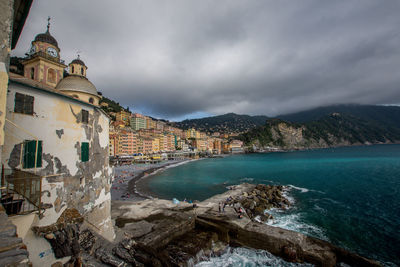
156	145
192	133
44	64
123	116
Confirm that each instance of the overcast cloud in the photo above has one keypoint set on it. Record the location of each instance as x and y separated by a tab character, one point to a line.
177	59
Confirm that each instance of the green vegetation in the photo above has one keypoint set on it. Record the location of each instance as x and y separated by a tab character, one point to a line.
230	122
112	106
379	124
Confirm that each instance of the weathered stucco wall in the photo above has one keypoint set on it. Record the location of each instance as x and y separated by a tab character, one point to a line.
6	15
68	182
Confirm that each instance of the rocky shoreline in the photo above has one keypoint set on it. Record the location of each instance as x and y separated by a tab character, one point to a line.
157	232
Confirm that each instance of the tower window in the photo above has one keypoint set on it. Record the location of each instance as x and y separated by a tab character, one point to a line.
72	69
82	71
23	104
32	73
85	116
91	100
51	75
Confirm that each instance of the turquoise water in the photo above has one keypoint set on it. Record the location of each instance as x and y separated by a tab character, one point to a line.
348	196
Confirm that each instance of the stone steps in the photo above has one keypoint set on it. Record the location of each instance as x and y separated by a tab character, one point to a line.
12	250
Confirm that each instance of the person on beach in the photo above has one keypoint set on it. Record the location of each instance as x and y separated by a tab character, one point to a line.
223	208
219	207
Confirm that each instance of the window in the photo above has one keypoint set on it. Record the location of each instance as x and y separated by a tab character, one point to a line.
85	151
72	70
91	100
85	116
51	76
31	154
82	71
23	104
32	73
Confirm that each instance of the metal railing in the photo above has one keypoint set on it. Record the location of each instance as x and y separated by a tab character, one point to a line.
46	56
21	192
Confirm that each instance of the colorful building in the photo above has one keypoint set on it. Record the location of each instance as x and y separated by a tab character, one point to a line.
123	116
138	121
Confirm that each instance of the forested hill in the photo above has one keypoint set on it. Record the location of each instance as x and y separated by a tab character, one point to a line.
230	122
380	114
327	127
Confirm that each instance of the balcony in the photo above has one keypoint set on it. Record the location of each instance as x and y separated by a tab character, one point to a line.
21	192
46	56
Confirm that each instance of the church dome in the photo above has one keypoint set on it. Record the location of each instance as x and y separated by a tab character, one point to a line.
46	38
77	83
77	61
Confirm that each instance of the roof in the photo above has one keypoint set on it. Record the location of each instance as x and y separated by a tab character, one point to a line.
78	61
77	83
21	11
46	38
18	79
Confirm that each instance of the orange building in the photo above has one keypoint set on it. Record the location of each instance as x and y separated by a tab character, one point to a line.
127	143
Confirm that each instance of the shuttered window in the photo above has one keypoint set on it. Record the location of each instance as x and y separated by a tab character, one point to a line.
30	154
23	104
85	116
85	151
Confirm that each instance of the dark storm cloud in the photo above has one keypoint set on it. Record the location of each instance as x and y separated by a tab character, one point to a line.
171	58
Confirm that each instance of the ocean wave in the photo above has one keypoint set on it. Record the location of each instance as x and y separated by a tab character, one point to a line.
246	257
246	179
294	222
301	189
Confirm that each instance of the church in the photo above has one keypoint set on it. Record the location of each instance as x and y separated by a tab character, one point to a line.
55	155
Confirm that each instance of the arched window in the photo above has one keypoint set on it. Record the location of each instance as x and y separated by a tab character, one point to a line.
32	73
82	71
72	69
51	75
91	100
76	96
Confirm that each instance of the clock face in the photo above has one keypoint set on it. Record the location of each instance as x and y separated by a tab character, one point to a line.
32	50
52	52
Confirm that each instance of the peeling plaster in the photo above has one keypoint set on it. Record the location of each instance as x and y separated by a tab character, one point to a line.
84	186
15	156
60	133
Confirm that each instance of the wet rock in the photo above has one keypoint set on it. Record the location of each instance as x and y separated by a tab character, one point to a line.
87	241
65	242
289	253
107	258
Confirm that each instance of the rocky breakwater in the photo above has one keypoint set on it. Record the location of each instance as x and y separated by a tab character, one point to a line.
158	232
257	201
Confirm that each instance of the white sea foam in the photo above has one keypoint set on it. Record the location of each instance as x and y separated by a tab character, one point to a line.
246	179
294	222
301	189
246	257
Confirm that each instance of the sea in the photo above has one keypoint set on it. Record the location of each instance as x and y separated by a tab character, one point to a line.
349	196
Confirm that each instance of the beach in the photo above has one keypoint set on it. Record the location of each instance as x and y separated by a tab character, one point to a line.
126	178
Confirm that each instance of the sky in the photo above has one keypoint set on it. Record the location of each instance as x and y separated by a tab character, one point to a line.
180	59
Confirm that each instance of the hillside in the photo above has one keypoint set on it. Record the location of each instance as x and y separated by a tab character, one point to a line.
335	129
230	122
381	114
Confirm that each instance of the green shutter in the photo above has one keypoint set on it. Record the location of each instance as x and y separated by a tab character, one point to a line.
39	155
85	152
29	154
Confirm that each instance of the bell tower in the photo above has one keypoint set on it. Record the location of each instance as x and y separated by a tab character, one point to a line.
43	63
77	67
